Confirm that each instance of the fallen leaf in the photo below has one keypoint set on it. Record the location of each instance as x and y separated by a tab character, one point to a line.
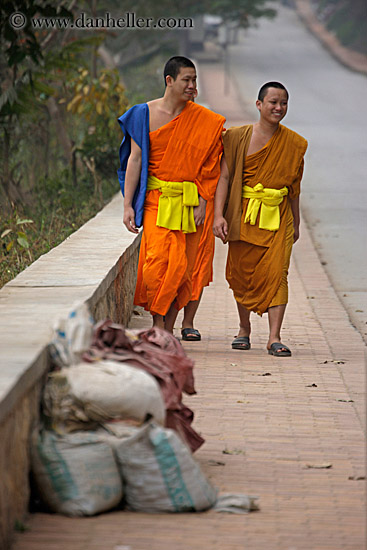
311	386
357	478
233	452
239	401
324	465
216	463
346	400
359	310
233	364
265	374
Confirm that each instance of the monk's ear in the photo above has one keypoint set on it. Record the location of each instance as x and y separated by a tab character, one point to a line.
258	104
169	80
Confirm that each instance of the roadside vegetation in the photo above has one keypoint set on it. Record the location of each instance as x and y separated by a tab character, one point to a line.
347	19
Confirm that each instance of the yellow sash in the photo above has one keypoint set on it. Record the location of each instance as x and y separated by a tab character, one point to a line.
176	204
268	201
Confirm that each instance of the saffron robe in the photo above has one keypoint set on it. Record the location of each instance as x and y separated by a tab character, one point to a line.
258	259
188	148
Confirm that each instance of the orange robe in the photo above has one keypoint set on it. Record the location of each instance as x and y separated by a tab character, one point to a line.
202	274
258	259
186	149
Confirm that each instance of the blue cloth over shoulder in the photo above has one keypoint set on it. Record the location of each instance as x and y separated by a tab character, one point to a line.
135	124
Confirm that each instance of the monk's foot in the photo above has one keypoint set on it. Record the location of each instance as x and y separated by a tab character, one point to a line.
244	331
242	343
190	334
158	321
242	340
278	350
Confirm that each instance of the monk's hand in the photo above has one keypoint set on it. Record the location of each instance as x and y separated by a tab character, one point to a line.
220	228
129	219
296	233
199	211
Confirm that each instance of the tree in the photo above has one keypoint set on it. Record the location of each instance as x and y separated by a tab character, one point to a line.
21	58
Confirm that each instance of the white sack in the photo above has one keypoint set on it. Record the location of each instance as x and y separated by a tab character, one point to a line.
101	391
76	474
160	473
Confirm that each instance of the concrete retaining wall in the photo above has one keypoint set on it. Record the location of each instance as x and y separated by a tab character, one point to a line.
97	265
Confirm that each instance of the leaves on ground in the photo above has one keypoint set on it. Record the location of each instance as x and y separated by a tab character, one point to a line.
233	452
321	466
346	400
216	463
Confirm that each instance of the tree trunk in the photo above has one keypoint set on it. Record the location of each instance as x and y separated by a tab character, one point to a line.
12	191
64	139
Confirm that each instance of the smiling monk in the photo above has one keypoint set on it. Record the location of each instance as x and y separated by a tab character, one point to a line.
258	192
170	164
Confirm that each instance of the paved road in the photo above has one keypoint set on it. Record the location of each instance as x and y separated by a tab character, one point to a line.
327	106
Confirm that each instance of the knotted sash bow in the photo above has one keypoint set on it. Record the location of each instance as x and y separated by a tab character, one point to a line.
268	201
176	204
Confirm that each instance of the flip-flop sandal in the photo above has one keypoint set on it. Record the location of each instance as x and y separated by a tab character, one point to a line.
190	334
279	350
241	342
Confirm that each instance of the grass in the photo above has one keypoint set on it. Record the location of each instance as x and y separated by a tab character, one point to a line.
60	210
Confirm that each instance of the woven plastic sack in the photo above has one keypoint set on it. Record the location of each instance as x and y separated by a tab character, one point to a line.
71	336
160	473
101	391
76	474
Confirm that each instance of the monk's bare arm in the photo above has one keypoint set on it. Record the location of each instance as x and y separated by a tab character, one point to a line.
220	226
132	177
296	217
199	211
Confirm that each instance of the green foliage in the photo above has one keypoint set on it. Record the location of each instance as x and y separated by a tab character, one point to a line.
97	102
61	208
15	243
14	235
20	527
144	80
244	12
24	44
21	56
347	19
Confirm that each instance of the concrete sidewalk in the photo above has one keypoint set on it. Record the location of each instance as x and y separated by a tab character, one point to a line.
286	429
289	430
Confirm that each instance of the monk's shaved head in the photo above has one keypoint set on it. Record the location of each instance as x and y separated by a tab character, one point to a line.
174	65
264	89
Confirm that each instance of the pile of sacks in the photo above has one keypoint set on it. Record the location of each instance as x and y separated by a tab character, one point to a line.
115	430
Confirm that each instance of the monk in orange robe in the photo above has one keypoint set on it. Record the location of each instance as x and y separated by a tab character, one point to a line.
258	192
184	153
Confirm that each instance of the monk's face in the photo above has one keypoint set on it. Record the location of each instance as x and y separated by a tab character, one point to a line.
184	87
274	106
